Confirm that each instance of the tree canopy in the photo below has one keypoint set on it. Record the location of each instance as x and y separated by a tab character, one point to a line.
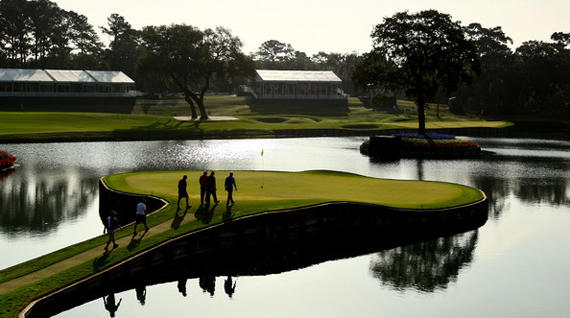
420	54
187	59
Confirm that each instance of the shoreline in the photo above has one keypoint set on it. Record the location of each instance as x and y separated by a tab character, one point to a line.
505	132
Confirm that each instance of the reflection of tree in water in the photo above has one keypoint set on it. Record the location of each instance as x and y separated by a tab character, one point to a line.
552	190
30	204
496	190
425	266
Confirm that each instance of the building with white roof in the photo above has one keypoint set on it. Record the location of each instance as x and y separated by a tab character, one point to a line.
36	82
32	89
298	85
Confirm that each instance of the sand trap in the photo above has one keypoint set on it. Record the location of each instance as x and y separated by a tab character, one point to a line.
211	118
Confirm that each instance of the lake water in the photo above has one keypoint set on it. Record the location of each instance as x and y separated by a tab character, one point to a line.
517	264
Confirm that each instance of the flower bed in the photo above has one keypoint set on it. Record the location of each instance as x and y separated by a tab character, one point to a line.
414	145
428	135
436	143
6	160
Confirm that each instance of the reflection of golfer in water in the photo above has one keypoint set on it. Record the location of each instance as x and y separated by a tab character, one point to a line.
228	287
110	304
208	284
141	294
182	286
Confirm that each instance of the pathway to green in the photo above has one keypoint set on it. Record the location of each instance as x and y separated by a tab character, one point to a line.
257	192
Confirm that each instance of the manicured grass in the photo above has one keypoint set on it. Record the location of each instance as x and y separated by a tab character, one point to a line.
292	189
155	121
280	190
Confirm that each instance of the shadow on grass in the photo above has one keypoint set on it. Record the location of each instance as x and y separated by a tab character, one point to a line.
101	261
300	107
178	219
227	216
135	241
204	213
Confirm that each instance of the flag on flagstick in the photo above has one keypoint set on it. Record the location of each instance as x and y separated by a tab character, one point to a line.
262	170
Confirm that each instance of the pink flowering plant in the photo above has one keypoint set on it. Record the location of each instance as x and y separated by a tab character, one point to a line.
6	160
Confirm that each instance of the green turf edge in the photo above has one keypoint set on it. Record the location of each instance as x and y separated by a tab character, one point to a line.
13	302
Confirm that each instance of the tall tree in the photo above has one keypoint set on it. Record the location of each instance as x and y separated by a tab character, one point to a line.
187	59
15	30
123	51
425	52
491	88
274	51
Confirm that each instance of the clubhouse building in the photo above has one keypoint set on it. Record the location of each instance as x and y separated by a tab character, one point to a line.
65	90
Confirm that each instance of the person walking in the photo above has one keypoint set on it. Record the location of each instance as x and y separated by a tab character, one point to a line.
203	186
182	193
211	189
111	223
230	184
140	216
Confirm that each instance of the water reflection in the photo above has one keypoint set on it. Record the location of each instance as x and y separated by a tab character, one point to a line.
230	286
425	266
110	305
496	191
552	191
36	203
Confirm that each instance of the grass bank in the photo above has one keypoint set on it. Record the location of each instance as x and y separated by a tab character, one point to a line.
153	120
22	283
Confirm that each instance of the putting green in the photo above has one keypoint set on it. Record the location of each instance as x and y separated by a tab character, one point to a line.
271	190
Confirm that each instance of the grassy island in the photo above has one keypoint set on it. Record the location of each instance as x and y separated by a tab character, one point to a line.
258	191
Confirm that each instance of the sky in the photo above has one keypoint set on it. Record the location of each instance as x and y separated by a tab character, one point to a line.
330	26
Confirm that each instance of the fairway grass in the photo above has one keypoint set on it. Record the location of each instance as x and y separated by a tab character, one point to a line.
258	191
156	122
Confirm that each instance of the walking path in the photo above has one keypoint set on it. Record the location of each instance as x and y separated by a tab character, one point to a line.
88	255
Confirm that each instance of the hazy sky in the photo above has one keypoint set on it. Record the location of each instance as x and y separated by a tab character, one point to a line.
331	26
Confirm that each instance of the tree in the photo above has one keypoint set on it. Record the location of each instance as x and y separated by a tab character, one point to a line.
489	92
187	59
15	30
561	38
123	52
274	51
422	53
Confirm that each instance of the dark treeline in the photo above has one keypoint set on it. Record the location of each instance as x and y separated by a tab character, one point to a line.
533	79
39	34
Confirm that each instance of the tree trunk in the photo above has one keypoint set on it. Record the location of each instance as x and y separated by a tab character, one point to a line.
192	108
203	114
421	116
